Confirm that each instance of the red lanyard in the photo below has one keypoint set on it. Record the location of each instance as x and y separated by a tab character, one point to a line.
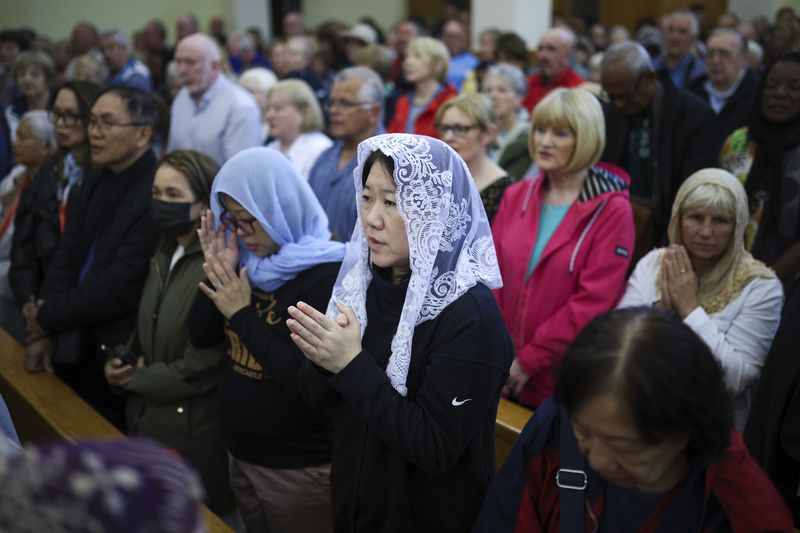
12	211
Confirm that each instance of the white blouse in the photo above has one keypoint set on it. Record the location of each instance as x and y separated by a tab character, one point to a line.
739	335
305	150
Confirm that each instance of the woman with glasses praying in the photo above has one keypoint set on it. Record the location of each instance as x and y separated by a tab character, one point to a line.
564	240
425	67
273	231
464	122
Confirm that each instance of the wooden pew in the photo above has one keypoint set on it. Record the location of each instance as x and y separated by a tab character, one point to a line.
511	418
44	408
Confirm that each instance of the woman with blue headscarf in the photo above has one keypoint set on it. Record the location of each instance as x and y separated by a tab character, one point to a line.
278	239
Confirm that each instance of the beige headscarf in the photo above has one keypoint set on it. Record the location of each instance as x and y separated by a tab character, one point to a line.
736	267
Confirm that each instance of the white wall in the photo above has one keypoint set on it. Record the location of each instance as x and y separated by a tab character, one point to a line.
528	18
748	9
385	12
55	18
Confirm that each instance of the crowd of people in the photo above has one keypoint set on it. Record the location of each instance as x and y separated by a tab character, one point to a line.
313	266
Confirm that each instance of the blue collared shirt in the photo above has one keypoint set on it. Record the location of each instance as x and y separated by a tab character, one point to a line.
460	65
224	122
336	191
134	74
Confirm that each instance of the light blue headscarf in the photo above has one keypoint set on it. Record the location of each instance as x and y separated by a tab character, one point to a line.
269	187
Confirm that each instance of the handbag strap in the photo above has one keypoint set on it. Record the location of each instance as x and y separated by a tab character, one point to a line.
571	479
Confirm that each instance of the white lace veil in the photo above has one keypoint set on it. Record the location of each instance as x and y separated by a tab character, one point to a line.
449	239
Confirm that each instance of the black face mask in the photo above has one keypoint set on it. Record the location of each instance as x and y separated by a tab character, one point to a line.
171	219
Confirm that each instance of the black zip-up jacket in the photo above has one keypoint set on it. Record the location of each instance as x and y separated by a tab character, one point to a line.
112	213
37	232
423	462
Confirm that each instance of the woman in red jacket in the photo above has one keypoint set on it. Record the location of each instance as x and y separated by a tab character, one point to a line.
425	67
563	240
639	437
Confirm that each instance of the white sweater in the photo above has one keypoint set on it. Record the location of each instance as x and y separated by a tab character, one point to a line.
305	150
739	335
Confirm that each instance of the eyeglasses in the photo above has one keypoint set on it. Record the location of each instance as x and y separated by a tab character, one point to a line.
233	224
104	126
69	120
459	130
344	104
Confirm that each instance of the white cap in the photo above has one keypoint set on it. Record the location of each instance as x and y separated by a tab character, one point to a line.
362	32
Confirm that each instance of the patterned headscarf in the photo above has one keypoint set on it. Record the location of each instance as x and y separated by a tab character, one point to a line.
99	486
269	187
735	268
449	239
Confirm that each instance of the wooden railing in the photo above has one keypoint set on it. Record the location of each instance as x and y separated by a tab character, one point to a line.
511	418
44	408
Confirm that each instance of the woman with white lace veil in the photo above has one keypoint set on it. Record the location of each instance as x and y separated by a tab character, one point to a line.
415	396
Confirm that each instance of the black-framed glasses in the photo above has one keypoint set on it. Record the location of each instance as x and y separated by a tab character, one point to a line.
69	120
459	130
103	126
247	227
344	104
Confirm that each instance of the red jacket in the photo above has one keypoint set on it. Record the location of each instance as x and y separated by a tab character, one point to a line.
425	121
537	90
580	274
524	497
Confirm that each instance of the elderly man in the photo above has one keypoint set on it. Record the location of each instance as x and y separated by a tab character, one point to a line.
124	69
355	108
92	288
658	133
210	114
454	37
244	54
680	63
729	87
553	59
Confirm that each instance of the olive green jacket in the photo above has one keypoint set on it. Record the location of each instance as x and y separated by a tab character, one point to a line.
173	399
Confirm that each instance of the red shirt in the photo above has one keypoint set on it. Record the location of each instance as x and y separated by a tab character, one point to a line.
425	121
538	90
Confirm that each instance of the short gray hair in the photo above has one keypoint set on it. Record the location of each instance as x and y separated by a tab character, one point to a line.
730	31
512	74
119	37
41	127
372	89
628	55
695	24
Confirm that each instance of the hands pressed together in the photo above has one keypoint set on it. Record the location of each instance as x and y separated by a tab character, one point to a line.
330	344
39	344
678	282
231	292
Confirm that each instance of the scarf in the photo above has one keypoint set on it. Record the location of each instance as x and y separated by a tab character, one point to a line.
270	188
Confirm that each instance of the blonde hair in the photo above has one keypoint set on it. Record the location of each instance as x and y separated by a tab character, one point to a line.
735	268
434	52
578	111
300	95
474	106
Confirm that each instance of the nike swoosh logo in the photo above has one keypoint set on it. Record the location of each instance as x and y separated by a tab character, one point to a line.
456	403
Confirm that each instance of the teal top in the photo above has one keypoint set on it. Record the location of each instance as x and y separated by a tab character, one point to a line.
549	219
